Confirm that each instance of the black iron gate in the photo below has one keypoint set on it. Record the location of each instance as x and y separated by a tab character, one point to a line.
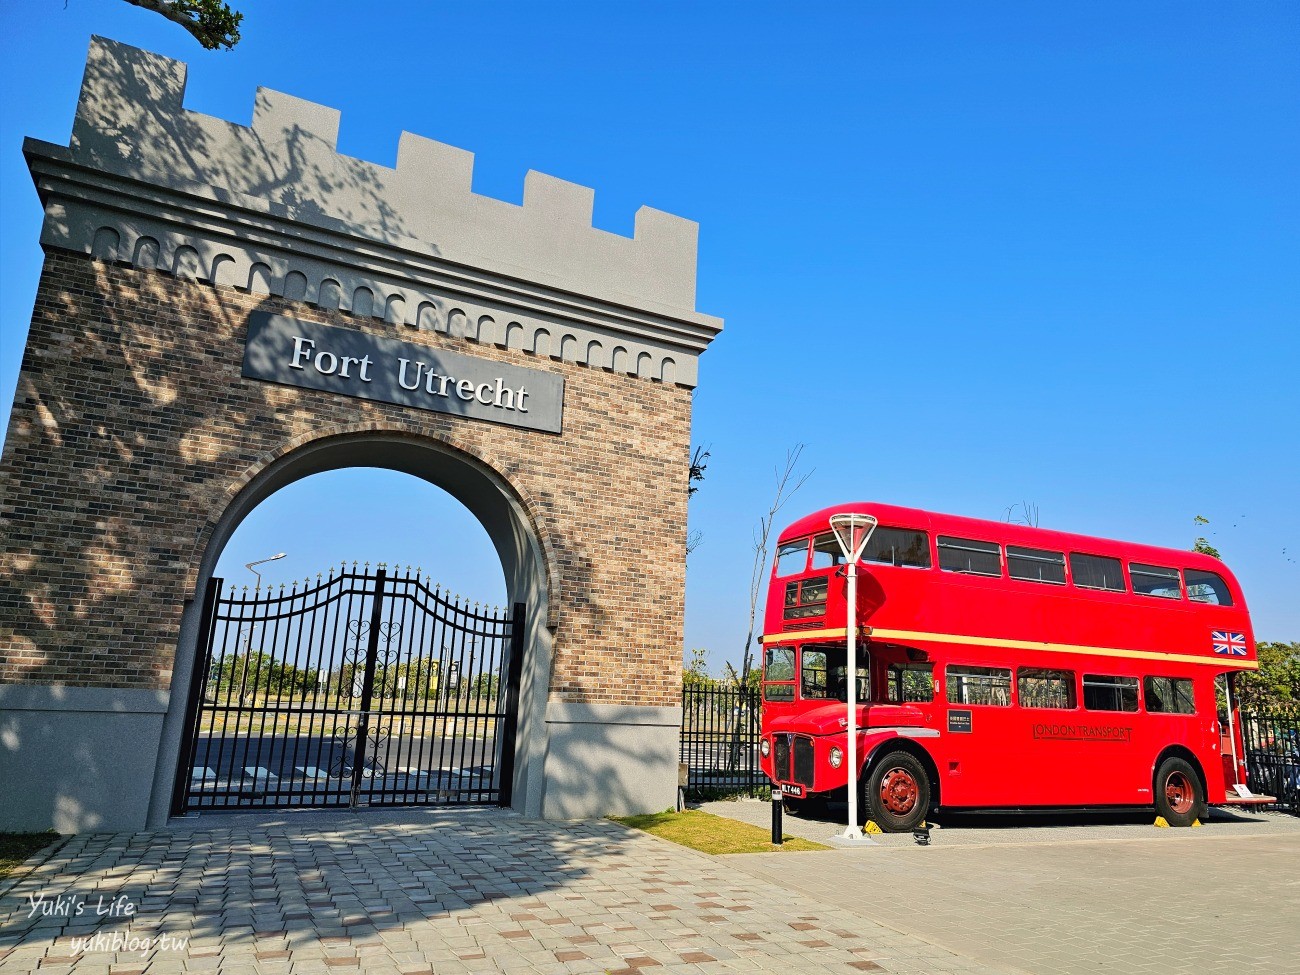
363	689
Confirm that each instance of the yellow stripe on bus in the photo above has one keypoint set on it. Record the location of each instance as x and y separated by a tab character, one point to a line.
984	641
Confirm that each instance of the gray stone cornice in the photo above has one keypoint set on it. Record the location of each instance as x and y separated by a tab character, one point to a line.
274	208
249	223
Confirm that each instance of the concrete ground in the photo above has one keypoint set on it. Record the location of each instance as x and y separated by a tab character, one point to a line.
430	891
452	891
1070	894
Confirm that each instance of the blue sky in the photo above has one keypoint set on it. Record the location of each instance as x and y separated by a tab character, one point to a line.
969	254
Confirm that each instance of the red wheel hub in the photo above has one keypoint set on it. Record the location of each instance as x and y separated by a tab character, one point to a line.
899	791
1178	792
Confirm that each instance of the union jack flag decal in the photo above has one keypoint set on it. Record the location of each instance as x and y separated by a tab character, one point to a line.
1229	643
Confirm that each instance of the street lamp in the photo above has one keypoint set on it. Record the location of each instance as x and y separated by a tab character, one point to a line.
852	532
249	567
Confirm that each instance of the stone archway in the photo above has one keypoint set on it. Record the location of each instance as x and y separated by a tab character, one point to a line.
223	309
499	506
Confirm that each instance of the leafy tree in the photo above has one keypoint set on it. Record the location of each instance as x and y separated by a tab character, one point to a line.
212	23
1277	682
1201	545
695	673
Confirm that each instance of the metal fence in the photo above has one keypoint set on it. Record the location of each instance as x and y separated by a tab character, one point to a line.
1273	755
720	733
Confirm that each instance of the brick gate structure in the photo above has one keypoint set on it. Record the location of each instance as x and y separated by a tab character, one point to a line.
422	328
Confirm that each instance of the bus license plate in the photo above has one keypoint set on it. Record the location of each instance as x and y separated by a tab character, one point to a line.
792	790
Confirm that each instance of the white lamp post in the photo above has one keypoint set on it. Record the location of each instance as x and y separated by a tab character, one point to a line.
249	567
852	531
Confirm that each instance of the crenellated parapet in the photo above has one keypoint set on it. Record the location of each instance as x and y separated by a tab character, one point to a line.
275	208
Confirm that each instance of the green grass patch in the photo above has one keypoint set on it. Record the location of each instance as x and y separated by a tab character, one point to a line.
17	847
713	834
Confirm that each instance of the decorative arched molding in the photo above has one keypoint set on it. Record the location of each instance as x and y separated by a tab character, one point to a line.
105	244
329	294
259	279
426	320
186	263
225	272
295	286
146	253
363	302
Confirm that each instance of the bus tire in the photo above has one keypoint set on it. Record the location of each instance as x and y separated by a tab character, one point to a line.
897	793
1179	796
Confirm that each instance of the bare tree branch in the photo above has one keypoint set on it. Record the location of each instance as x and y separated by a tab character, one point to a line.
788	482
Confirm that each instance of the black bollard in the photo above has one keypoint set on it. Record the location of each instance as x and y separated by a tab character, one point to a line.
777	809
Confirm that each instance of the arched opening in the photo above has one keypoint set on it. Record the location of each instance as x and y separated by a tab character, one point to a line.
368	516
403	658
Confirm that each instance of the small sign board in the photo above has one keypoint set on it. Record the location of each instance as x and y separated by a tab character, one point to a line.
959	722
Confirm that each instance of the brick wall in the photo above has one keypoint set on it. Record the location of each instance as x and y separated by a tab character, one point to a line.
132	428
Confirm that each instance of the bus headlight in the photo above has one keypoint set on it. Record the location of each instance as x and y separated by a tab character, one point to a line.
837	757
765	747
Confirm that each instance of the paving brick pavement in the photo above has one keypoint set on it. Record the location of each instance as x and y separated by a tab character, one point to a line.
1073	899
435	891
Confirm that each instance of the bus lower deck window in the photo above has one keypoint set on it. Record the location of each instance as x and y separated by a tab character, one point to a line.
1168	695
979	685
911	684
1038	688
1101	693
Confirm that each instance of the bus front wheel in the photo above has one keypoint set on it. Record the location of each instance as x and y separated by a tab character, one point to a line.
811	806
897	793
1179	797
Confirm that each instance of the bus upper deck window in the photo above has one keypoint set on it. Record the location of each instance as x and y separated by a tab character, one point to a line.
1035	564
1096	572
1207	587
1155	580
826	552
898	546
969	556
792	557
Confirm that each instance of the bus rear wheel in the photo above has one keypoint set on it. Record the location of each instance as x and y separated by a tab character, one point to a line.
1179	797
897	793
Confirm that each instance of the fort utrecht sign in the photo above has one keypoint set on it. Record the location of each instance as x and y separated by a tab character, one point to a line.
343	360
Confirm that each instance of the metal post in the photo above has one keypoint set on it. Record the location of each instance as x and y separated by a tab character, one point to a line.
852	831
509	729
199	678
852	531
778	807
367	689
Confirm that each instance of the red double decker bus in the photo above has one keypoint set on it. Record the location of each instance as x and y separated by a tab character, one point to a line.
1002	666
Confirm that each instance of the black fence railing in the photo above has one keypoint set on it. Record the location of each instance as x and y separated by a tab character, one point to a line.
720	733
1273	755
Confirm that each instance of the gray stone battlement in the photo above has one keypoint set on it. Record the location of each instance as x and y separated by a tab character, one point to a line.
131	122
